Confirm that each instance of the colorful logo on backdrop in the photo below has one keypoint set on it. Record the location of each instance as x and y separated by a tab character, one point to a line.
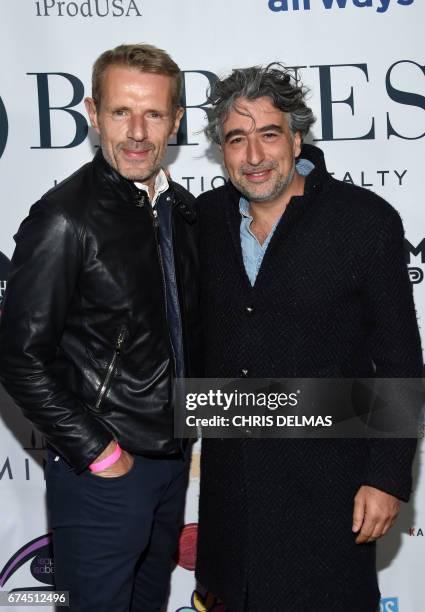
4	274
380	6
389	604
4	127
186	553
186	558
37	556
203	603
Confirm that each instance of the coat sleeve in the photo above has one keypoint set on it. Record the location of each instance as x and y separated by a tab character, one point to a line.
42	281
395	347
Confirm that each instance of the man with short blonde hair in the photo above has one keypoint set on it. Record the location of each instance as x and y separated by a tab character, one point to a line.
109	259
145	58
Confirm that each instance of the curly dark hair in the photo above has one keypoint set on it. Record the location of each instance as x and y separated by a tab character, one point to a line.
275	81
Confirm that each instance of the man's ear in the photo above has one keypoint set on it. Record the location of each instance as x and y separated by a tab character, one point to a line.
176	121
297	144
90	105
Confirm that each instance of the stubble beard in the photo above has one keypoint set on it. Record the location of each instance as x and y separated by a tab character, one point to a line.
274	192
149	171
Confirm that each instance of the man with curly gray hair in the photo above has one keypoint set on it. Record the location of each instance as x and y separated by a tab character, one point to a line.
274	81
303	276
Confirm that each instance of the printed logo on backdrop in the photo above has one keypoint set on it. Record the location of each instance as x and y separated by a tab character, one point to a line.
380	6
4	127
88	8
416	273
22	467
372	178
416	532
35	556
69	109
388	604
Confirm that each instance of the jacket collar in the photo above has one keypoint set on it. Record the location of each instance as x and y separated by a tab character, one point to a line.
319	175
115	185
315	181
120	190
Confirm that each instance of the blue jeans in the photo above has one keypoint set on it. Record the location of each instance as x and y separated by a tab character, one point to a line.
114	538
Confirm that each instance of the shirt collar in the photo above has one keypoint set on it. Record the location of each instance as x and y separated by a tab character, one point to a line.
244	208
304	167
161	185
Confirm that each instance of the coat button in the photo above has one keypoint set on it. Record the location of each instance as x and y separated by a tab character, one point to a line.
249	310
244	373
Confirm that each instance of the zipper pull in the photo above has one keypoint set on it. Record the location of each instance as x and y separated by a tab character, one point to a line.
120	341
121	338
142	199
155	217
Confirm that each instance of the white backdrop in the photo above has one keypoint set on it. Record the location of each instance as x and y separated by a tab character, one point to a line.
363	62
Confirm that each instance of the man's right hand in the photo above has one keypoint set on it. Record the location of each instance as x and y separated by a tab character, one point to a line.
120	467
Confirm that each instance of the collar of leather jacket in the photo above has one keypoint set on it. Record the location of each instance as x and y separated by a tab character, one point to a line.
119	190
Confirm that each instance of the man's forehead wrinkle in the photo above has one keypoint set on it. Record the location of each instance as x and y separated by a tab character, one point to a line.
243	110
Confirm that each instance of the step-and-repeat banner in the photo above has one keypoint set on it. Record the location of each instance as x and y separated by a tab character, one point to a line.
363	61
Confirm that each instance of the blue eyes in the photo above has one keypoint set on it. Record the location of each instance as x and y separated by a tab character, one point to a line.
124	113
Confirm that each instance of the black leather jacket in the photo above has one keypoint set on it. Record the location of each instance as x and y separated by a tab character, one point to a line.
85	346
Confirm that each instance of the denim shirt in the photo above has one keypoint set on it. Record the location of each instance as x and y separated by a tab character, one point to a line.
252	251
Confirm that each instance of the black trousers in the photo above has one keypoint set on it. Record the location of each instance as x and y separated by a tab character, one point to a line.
114	538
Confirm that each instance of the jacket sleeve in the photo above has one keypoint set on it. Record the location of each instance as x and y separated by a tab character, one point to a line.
395	347
42	282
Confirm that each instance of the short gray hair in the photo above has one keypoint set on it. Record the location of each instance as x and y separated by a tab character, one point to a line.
274	81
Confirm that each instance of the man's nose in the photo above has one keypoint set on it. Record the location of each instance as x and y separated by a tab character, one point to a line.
136	127
254	152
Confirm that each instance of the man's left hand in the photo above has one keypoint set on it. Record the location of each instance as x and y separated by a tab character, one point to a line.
374	513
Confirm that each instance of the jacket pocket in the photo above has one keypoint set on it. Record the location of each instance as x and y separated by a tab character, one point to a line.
111	368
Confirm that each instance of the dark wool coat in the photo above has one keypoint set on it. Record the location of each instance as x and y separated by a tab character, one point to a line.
332	299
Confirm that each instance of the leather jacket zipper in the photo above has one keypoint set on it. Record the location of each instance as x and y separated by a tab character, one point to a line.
154	217
111	367
180	298
155	222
